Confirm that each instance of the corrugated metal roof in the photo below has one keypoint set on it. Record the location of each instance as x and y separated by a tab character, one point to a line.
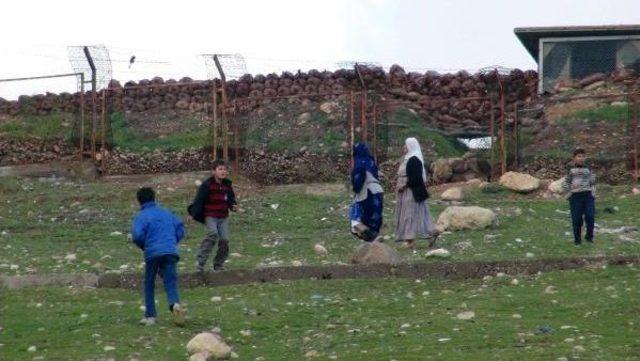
530	36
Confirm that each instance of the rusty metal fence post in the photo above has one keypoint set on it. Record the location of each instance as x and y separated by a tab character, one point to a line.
634	134
503	147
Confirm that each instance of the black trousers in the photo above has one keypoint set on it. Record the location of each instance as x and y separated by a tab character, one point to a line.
583	207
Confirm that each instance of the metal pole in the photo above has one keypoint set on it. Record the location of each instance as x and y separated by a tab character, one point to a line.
492	130
225	125
236	142
503	149
102	128
94	110
214	124
81	116
515	136
352	126
374	140
635	141
363	117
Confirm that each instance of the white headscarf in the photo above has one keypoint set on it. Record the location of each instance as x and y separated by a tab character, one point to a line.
413	150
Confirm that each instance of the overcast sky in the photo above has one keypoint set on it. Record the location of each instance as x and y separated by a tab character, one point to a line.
274	35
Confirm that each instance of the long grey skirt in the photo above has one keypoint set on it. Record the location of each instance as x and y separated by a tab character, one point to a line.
413	219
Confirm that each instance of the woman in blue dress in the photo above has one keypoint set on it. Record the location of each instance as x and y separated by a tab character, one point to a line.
366	211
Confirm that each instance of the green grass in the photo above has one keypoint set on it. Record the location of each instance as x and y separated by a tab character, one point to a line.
611	113
386	319
125	137
278	134
44	221
57	125
443	146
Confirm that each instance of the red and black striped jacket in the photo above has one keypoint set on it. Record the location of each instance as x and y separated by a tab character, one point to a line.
213	200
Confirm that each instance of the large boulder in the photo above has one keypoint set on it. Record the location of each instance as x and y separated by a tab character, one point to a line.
441	170
210	344
456	218
452	194
556	186
519	182
375	253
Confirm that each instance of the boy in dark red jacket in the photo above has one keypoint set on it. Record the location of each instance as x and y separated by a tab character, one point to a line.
211	207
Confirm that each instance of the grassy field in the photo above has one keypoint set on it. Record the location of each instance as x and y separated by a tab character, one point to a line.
588	314
62	226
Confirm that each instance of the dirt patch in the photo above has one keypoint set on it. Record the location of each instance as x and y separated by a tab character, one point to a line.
60	280
555	112
446	270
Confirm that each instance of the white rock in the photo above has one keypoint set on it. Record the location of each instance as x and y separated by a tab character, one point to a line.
457	218
519	182
550	290
375	253
200	356
578	348
312	353
439	252
108	348
245	333
515	282
116	233
452	194
466	315
444	339
216	299
32	348
274	206
320	250
296	263
198	183
530	255
556	186
211	343
405	325
516	316
71	257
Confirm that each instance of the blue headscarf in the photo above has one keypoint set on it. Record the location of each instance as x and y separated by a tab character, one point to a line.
362	163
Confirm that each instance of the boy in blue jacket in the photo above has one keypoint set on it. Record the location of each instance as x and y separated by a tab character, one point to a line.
157	232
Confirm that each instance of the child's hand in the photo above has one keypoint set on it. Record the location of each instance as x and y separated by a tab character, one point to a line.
235	208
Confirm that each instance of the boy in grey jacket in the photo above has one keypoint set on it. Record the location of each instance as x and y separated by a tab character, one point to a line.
580	185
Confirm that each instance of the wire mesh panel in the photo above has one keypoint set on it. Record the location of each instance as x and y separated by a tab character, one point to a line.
101	60
233	65
566	62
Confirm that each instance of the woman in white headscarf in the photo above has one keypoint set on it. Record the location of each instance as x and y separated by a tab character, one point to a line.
413	220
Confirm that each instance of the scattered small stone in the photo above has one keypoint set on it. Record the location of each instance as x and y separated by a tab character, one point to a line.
466	315
550	290
216	299
312	353
32	348
108	348
320	250
515	282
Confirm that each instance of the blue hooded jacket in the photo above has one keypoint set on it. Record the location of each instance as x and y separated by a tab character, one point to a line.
363	162
156	231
